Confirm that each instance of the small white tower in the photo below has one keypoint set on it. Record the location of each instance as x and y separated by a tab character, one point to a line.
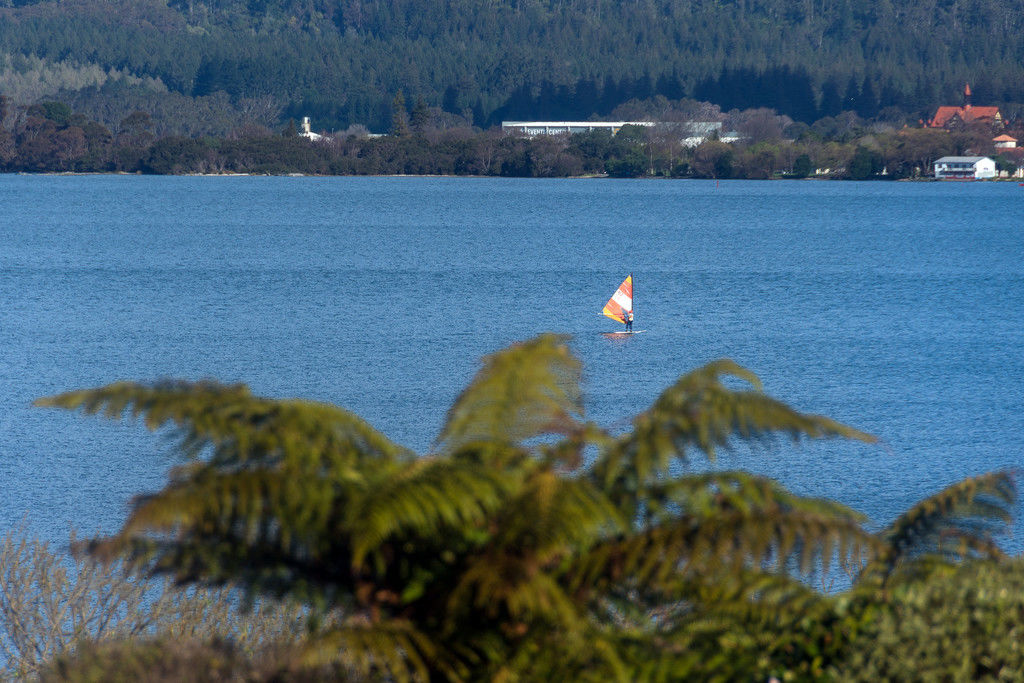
307	130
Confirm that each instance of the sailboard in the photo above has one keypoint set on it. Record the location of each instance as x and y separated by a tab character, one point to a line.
621	303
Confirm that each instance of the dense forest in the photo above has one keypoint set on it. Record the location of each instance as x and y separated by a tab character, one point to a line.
202	67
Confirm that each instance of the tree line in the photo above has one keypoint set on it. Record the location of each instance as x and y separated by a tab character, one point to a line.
50	137
340	61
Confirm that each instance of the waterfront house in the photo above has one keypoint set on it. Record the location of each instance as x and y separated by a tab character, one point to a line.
965	168
1005	142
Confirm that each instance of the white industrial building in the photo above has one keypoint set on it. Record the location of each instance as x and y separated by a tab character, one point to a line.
534	128
693	132
960	168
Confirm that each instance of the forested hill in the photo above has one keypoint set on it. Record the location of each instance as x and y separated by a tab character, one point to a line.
343	61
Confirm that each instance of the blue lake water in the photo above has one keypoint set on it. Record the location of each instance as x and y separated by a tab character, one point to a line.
897	308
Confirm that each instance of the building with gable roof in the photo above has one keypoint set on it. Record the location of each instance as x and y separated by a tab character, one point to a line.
952	118
965	168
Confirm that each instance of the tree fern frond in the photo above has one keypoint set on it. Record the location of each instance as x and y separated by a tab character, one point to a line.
552	515
700	413
958	522
528	390
537	530
709	493
234	425
426	498
514	590
744	596
721	542
592	655
385	650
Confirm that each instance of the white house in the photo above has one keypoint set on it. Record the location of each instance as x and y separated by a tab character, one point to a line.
965	167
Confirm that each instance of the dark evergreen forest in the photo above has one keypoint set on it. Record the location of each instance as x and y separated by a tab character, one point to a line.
341	61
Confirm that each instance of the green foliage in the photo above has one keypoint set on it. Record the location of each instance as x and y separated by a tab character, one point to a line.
340	62
803	166
955	624
864	164
957	523
530	544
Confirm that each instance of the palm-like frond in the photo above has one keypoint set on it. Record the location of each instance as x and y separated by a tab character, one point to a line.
700	413
538	530
425	499
724	523
391	650
958	522
235	425
528	390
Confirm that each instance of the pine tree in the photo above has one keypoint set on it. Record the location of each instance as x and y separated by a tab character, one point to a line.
831	100
420	115
867	103
399	116
851	100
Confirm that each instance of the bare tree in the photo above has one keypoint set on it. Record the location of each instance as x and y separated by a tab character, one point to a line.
52	603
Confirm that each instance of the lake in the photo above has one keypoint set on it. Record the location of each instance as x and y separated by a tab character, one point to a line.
895	307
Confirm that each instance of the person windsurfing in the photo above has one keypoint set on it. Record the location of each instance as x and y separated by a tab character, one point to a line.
629	321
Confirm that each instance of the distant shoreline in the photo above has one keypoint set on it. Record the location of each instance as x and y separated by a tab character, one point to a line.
469	176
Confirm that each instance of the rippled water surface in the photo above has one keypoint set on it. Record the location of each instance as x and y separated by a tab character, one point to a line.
896	307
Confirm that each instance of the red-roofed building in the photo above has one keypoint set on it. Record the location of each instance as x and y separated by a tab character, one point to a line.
1005	142
958	117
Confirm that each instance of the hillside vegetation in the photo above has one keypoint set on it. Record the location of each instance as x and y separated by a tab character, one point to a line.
342	61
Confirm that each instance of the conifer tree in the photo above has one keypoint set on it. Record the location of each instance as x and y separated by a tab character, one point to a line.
420	115
399	116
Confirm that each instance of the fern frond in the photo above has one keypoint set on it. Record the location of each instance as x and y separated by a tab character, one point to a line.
536	532
528	390
715	528
428	498
700	413
958	522
709	493
234	426
552	515
385	650
550	654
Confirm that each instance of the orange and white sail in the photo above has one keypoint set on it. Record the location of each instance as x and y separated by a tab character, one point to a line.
621	302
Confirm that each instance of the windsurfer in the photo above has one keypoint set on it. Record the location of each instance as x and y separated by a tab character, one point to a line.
629	321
